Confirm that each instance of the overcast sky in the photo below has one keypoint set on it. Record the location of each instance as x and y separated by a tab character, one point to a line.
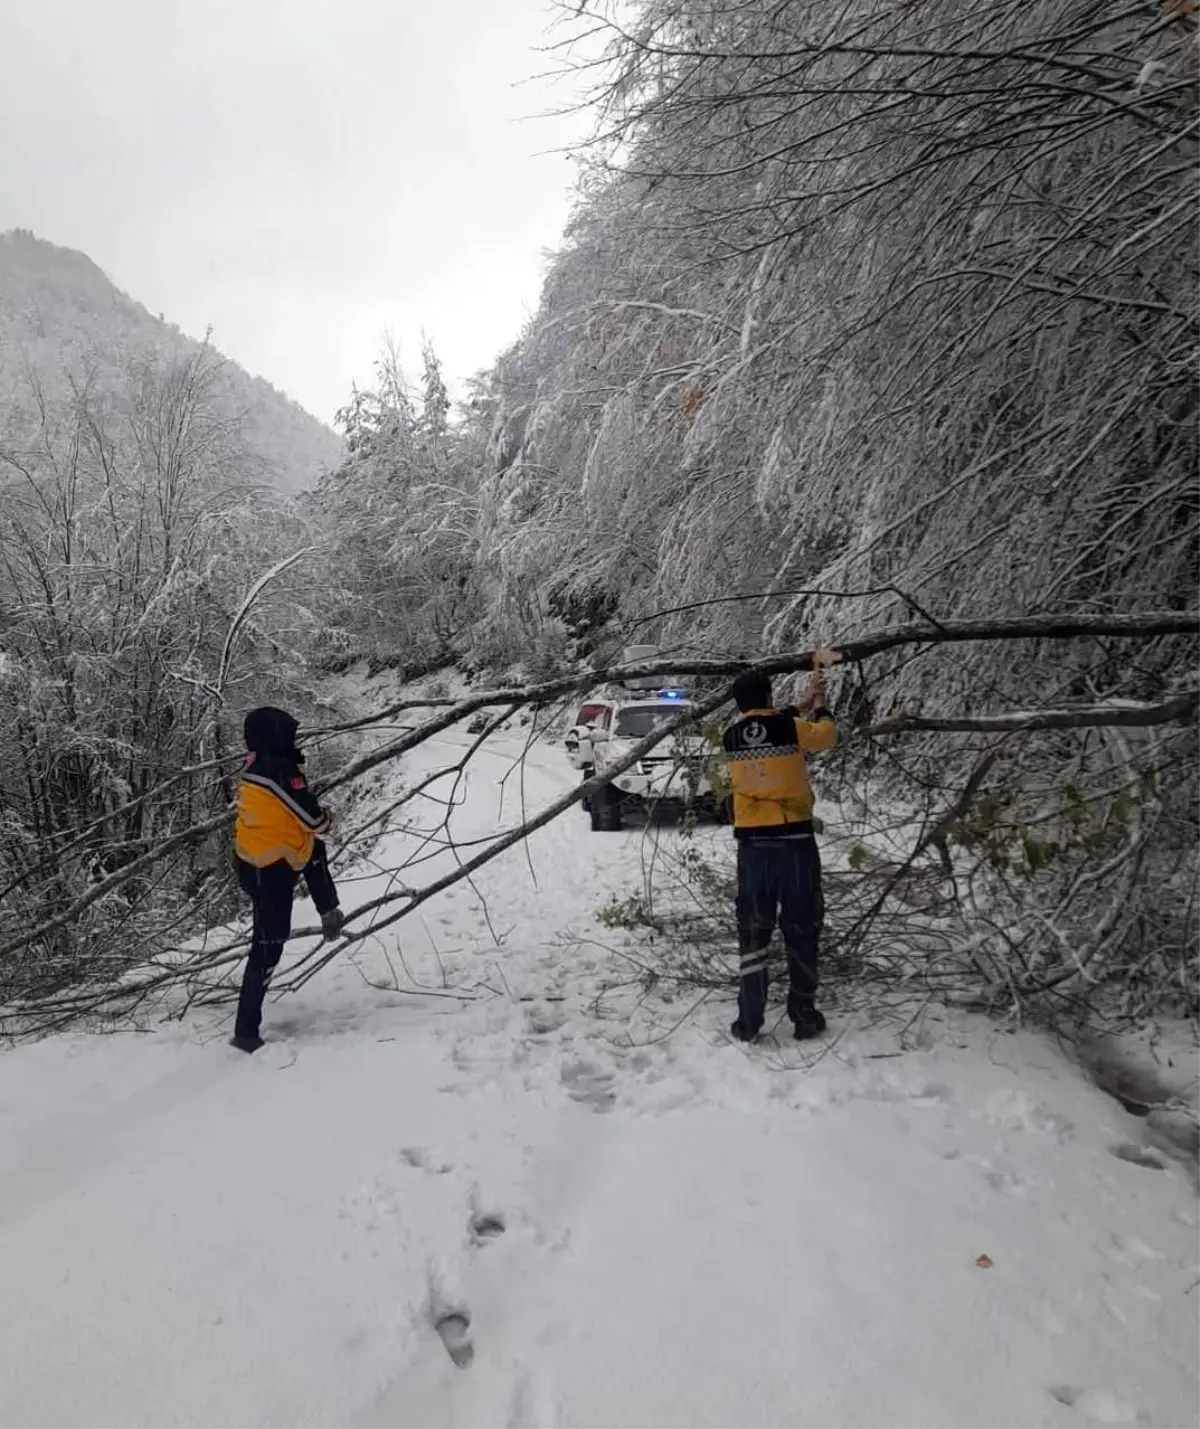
300	174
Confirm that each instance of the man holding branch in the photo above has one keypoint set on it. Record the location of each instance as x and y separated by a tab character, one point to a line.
778	865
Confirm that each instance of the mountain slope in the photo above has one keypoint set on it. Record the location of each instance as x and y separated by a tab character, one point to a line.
60	316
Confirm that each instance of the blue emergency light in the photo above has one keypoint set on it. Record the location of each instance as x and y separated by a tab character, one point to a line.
673	694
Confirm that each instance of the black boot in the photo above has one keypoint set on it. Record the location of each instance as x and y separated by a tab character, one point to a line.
246	1044
809	1023
742	1032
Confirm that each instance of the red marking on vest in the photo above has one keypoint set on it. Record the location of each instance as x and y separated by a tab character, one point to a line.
297	782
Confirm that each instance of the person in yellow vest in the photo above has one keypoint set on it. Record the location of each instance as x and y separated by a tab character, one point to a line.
778	866
276	839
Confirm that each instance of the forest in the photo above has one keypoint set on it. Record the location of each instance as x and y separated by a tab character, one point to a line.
874	327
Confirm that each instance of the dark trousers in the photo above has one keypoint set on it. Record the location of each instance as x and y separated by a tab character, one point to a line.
271	891
778	881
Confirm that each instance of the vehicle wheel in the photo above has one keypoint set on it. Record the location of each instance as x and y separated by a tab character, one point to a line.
606	810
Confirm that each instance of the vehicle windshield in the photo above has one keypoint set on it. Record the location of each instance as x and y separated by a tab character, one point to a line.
642	720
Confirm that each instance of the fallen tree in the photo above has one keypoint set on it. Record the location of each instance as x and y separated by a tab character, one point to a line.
115	989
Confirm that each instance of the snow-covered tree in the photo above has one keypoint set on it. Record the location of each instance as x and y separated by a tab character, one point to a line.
130	522
401	516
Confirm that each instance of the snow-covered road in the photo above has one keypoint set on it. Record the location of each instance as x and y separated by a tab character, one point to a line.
680	1233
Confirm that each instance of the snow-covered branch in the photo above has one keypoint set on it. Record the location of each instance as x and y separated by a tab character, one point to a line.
1120	714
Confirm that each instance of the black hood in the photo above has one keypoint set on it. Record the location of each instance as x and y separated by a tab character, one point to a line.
271	731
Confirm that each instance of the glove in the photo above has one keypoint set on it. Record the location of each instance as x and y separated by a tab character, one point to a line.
331	923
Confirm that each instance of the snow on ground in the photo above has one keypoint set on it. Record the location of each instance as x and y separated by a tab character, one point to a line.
676	1231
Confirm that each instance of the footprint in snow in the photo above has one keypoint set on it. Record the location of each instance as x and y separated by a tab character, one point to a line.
1008	1183
486	1225
453	1327
1098	1404
544	1018
1138	1156
418	1158
1017	1111
590	1084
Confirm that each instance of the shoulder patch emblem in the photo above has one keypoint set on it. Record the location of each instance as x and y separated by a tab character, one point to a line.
297	782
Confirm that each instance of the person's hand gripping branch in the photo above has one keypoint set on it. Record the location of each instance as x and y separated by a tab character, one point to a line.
811	690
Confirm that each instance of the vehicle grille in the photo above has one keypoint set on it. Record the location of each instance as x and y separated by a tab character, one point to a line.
689	766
